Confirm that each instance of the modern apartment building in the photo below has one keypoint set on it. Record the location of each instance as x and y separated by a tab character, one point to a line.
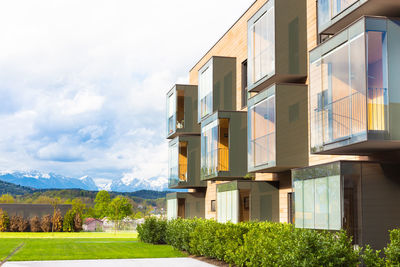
293	116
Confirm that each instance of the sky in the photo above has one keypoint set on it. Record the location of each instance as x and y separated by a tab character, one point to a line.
83	83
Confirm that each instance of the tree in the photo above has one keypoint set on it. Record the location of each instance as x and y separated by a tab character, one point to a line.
120	207
4	221
45	223
57	222
15	222
77	223
35	224
102	201
7	199
68	225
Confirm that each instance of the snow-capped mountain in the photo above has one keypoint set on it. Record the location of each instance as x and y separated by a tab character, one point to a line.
40	180
130	184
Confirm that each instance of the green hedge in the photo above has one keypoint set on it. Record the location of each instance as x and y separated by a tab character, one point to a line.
265	243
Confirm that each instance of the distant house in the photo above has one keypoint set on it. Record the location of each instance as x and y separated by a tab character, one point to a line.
92	225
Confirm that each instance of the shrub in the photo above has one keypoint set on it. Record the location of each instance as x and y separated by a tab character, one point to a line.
15	222
35	224
4	221
178	232
57	221
152	230
392	251
371	257
23	225
45	223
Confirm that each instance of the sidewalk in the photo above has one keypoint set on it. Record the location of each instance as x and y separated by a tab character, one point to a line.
175	262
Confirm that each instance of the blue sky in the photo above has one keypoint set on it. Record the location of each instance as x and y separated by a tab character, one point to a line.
83	83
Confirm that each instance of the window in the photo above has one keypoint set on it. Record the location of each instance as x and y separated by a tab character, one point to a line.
327	9
173	170
213	206
262	132
171	113
290	207
215	147
318	203
244	84
246	203
262	46
205	92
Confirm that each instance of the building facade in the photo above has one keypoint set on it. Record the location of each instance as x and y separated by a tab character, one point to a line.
292	116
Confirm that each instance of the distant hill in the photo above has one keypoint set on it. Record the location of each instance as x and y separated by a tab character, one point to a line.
13	189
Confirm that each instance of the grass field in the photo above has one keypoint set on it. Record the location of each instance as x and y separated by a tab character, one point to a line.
74	246
69	235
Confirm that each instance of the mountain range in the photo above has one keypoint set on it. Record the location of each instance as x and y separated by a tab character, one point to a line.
39	180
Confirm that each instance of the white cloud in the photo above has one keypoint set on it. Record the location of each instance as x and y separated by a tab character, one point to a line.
83	83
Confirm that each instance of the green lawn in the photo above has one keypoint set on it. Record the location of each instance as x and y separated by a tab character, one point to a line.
69	235
74	246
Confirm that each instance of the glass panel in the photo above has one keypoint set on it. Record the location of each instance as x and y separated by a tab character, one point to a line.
183	160
205	93
298	194
235	206
172	210
377	81
262	135
316	105
263	46
358	86
338	94
335	216
209	149
321	203
173	173
340	5
335	95
308	206
324	7
171	113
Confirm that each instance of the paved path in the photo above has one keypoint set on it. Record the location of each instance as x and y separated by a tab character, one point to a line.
173	262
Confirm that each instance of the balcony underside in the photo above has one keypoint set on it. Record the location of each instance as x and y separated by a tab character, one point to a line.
271	169
388	8
277	78
222	176
185	185
179	132
363	148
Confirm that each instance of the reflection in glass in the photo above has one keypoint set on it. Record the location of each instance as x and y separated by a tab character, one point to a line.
173	170
205	93
377	81
171	113
328	9
262	45
262	132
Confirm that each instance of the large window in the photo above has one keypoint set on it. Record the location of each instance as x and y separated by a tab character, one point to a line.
262	47
215	147
171	113
327	9
318	203
173	166
261	145
228	206
205	92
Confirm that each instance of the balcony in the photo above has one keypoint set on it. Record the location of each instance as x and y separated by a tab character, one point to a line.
241	201
182	111
277	44
335	15
353	195
354	99
277	129
223	146
217	86
185	205
184	162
